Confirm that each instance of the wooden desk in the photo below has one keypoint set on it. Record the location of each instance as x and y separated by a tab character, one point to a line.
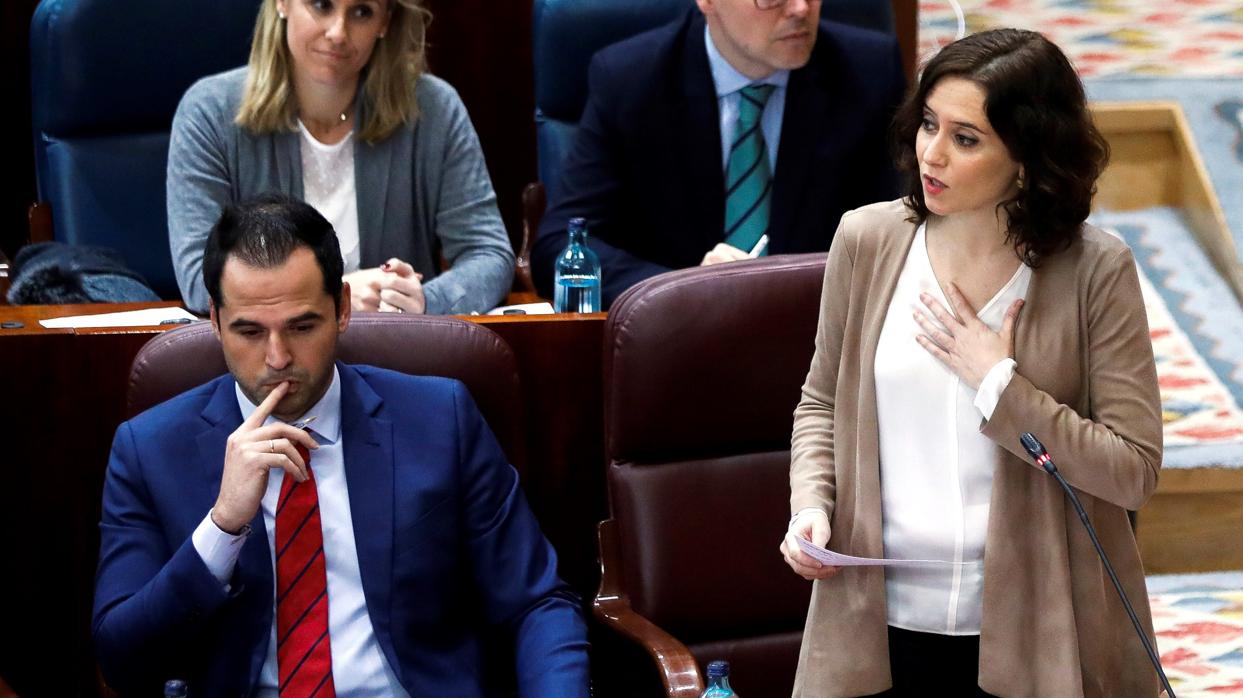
65	395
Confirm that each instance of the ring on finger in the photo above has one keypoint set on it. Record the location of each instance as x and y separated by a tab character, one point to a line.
271	446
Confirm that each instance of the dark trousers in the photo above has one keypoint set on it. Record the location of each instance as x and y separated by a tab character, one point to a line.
927	664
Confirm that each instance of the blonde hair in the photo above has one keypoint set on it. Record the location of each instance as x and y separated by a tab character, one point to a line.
269	104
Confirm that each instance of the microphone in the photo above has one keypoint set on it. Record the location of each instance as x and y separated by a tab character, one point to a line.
1037	451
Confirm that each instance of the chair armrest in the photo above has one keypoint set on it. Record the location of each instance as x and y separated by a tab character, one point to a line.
533	200
39	216
4	292
678	670
39	219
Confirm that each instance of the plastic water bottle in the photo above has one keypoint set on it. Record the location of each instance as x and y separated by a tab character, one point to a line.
718	681
175	689
577	288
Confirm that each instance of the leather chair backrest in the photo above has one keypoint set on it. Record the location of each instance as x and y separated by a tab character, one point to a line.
567	33
703	370
180	359
106	77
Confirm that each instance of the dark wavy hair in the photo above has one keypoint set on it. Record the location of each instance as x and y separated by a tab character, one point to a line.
1035	103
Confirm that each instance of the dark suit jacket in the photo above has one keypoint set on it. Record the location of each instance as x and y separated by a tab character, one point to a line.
446	547
645	167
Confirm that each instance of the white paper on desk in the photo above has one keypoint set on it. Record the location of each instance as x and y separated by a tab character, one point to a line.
129	318
542	308
828	557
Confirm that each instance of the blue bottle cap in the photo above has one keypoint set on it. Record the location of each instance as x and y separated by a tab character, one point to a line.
717	669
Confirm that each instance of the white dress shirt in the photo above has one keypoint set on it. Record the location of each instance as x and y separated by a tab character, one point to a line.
328	186
729	83
359	667
936	467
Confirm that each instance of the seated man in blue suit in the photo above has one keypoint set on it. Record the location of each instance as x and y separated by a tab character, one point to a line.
307	527
745	128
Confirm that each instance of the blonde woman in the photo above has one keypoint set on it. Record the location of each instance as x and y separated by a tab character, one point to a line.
335	108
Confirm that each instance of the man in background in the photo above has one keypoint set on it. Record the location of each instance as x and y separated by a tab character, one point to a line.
745	128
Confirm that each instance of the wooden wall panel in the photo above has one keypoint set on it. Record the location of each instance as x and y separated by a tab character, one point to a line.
483	48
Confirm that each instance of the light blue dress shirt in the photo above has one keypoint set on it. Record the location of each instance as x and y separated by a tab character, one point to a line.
729	82
359	667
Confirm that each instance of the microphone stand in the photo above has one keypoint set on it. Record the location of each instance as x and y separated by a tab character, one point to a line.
1038	453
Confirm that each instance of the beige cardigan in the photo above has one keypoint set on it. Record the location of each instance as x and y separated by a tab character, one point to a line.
1086	385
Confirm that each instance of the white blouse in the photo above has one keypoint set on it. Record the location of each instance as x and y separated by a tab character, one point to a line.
328	185
936	468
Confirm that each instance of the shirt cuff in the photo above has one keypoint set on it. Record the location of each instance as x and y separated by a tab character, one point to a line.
804	510
219	550
993	385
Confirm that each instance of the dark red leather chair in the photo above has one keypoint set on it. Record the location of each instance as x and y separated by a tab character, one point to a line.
180	359
703	369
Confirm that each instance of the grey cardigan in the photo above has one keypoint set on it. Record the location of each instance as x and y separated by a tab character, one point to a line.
422	192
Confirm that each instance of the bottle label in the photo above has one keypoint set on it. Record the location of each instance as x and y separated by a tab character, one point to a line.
577	293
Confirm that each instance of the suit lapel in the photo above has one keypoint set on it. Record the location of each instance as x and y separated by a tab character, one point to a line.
369	472
289	163
254	565
892	247
806	113
700	131
371	165
1047	327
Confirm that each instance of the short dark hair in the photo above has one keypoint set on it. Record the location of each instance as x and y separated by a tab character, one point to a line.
1035	103
262	232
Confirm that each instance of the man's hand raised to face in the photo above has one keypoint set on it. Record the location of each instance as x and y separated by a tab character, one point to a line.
250	452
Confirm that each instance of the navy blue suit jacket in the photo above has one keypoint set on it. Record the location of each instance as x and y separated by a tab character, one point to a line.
645	166
447	549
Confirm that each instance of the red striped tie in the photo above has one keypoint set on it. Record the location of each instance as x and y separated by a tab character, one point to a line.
303	649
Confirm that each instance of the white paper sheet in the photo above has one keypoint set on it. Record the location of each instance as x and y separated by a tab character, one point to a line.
828	557
129	318
543	308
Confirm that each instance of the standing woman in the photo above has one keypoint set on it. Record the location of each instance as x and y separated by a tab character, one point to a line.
979	307
335	108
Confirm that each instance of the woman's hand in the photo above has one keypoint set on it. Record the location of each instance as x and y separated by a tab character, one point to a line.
964	343
394	287
811	525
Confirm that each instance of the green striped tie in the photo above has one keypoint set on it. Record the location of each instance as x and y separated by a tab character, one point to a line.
748	182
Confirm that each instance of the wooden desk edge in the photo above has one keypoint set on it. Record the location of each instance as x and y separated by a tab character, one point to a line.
30	315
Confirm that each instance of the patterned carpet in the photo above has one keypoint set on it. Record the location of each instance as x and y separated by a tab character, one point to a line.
1109	37
1197	337
1199	623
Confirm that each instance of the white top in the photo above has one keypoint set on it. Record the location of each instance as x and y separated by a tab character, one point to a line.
729	83
359	667
328	185
936	468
